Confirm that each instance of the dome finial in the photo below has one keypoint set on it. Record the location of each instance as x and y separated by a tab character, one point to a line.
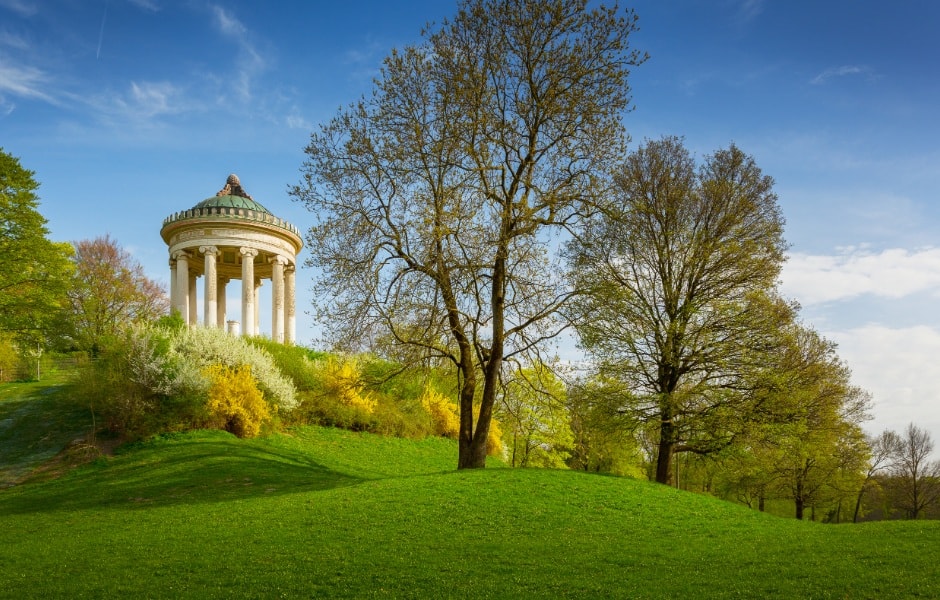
233	187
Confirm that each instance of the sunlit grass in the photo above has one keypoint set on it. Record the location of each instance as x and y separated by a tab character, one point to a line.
327	513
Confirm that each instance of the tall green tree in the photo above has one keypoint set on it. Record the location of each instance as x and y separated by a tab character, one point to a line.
110	291
437	194
678	276
805	443
34	271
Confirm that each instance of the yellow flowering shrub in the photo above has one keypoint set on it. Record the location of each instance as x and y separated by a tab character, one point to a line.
445	420
235	403
494	441
342	380
444	414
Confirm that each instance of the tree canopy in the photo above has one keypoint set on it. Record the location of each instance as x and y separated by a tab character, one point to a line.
109	292
436	195
34	272
678	275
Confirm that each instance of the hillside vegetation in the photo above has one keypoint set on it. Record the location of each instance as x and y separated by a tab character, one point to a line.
324	512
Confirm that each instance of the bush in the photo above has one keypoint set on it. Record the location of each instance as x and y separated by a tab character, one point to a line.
140	387
340	378
235	403
206	346
443	415
295	362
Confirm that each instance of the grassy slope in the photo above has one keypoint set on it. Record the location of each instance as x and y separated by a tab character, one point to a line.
35	424
329	513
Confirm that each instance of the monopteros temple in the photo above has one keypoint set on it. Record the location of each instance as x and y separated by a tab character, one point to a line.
231	236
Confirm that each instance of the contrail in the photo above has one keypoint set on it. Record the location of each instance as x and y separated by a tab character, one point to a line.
101	33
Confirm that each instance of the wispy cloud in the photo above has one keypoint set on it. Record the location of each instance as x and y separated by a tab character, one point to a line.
149	5
854	272
227	23
749	10
25	82
148	99
11	40
249	63
24	8
842	71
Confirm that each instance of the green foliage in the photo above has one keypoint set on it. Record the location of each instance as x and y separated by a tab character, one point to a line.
139	385
34	272
603	438
295	362
679	272
109	292
534	412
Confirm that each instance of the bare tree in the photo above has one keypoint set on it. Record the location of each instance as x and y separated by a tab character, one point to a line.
917	477
436	195
883	449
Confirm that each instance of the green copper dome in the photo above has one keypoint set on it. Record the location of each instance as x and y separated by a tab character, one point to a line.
230	201
233	204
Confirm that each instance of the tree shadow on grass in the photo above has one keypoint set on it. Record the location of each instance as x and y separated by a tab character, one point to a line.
194	468
35	424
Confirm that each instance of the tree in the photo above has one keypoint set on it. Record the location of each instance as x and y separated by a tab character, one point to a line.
679	275
804	442
916	476
34	272
436	196
535	418
882	450
110	291
603	435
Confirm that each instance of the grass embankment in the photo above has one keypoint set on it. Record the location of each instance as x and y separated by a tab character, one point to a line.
323	512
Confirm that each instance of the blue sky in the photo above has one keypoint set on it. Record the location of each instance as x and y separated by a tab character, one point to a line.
129	110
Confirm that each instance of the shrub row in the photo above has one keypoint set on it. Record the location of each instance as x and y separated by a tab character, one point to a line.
168	377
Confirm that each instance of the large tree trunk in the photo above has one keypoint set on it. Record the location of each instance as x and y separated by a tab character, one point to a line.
667	442
798	500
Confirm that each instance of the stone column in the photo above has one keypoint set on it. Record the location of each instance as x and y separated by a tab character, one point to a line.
173	292
220	318
248	289
277	298
257	316
211	300
182	285
290	305
193	306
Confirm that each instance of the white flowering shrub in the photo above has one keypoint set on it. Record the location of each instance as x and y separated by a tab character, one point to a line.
202	347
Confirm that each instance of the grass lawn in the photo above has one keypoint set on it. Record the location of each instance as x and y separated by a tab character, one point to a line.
326	513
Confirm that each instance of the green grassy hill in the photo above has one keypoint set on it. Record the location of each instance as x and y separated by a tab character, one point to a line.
328	513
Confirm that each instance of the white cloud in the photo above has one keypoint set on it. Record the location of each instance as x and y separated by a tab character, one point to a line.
840	72
250	62
749	9
23	8
11	40
296	121
227	23
146	5
898	366
149	99
25	82
856	271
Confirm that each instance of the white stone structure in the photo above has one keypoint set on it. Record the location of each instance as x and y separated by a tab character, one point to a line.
231	236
